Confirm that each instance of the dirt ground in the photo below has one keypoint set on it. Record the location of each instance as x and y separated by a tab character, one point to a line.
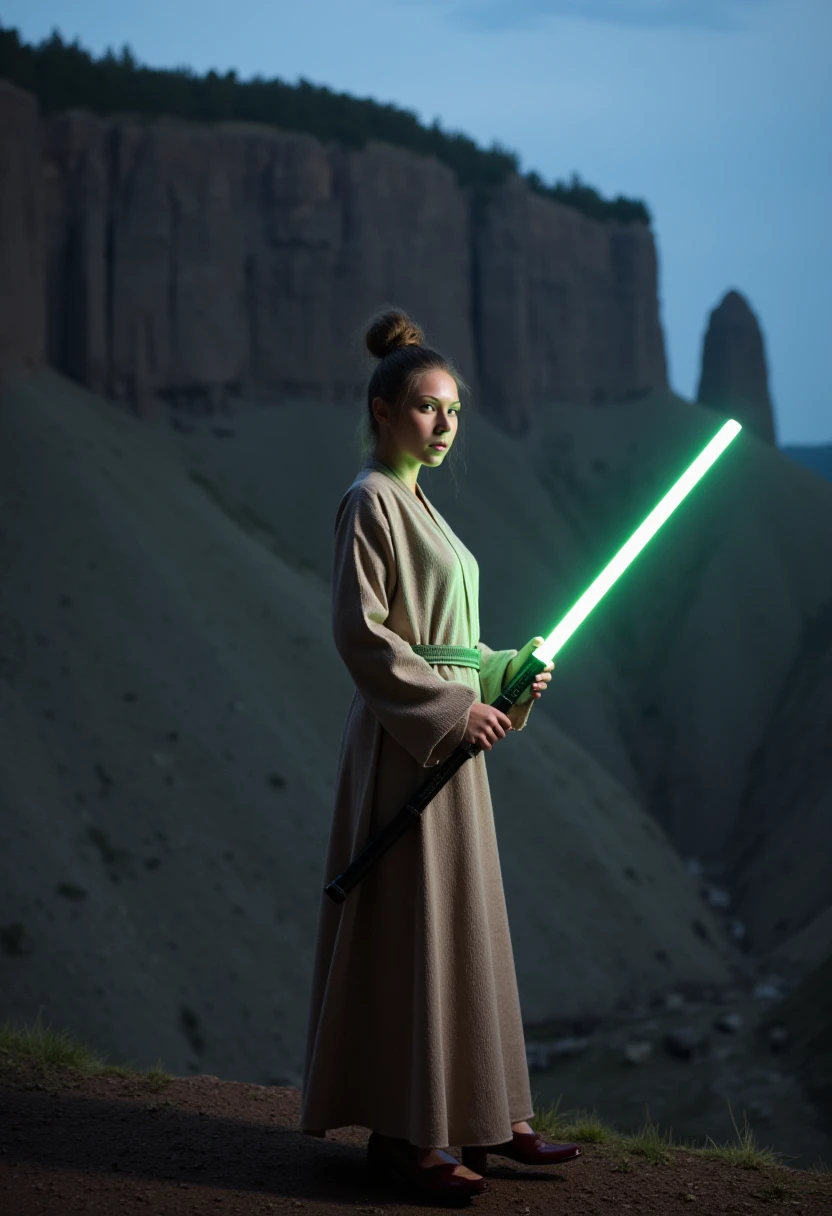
85	1145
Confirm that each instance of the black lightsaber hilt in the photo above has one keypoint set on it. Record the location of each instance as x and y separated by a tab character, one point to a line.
411	813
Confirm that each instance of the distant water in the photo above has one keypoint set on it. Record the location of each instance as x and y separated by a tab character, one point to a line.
817	457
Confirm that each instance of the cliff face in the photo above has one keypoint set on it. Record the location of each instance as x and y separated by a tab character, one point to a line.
566	309
190	263
21	231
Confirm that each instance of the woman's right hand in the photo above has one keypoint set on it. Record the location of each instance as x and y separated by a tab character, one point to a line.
486	725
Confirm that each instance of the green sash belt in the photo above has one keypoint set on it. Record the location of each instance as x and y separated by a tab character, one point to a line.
452	656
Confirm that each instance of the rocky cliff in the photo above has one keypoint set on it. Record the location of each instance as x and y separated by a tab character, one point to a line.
22	322
191	264
565	308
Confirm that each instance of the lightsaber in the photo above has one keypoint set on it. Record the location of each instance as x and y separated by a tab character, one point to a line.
644	533
411	812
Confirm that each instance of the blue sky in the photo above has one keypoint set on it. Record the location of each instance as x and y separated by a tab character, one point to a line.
717	112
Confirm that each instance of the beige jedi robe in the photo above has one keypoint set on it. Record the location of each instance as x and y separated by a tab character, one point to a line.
414	1021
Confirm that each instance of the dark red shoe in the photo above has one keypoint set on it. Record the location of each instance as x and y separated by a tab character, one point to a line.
529	1148
386	1155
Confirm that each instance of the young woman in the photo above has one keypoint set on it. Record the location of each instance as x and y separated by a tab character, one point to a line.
414	1022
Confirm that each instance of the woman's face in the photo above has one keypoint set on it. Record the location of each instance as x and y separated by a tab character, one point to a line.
428	416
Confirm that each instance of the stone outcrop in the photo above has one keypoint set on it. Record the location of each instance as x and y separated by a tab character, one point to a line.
195	263
21	231
734	377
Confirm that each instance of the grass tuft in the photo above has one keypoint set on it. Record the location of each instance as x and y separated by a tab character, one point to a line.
621	1163
579	1125
156	1076
652	1143
745	1153
49	1050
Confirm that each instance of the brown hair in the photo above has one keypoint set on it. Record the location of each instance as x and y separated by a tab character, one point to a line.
398	344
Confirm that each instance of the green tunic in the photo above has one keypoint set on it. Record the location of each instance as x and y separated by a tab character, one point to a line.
414	1021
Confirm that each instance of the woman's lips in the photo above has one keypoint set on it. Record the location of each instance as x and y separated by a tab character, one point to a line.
439	446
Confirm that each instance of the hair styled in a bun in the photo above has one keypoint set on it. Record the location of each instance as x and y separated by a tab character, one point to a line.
398	344
391	329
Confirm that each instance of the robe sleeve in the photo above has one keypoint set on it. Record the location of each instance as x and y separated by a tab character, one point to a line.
424	713
493	664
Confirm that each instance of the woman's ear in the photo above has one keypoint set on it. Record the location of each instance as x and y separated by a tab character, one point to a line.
381	411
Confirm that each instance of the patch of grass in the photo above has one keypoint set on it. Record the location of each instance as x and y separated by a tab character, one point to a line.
156	1076
745	1153
41	1045
621	1163
652	1143
49	1049
777	1192
587	1127
579	1125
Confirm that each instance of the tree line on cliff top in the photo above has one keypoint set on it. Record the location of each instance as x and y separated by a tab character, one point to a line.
64	76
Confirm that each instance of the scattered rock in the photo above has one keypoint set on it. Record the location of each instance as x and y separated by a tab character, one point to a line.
15	940
638	1051
722	1054
778	1038
731	1023
768	990
717	897
540	1056
685	1042
71	890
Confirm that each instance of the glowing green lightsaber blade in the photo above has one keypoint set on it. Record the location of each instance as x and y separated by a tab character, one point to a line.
597	589
411	812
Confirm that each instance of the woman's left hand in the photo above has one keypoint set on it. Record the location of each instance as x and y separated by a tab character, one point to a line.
541	680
